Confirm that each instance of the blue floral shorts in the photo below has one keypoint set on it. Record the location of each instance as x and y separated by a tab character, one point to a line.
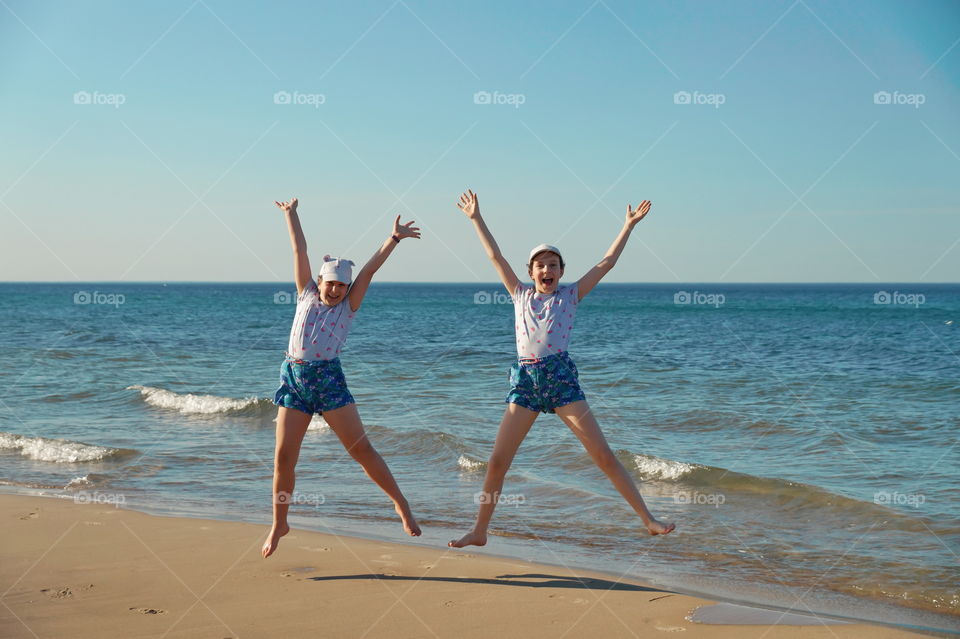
312	387
546	384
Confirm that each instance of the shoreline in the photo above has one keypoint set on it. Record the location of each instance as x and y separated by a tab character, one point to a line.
69	569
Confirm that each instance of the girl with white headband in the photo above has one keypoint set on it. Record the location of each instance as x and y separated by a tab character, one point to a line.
312	380
544	377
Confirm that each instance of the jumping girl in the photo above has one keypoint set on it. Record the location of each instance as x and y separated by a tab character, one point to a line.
312	380
544	377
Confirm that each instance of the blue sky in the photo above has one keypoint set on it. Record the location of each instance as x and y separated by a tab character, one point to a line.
782	166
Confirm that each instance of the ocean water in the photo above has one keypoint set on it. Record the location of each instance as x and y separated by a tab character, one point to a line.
803	437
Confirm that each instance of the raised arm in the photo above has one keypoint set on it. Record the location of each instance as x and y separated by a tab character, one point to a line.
362	281
594	275
471	207
301	263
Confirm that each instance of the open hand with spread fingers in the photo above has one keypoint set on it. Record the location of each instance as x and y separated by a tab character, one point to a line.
469	204
405	230
634	215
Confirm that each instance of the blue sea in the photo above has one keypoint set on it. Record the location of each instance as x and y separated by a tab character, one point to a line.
803	437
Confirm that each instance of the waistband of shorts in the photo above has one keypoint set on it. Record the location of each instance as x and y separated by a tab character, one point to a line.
543	360
309	362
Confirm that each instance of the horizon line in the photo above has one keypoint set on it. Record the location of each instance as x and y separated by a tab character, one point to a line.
290	282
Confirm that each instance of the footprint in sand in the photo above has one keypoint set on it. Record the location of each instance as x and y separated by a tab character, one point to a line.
149	611
64	591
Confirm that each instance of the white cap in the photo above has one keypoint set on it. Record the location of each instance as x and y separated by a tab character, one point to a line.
336	269
544	247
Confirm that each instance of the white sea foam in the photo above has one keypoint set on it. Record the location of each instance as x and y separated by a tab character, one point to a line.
317	423
651	467
79	482
191	404
468	464
55	450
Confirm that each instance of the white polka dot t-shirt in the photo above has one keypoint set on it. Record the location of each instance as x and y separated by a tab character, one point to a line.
543	323
319	331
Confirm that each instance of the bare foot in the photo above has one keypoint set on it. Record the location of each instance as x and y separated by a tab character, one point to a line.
273	539
659	528
410	525
470	539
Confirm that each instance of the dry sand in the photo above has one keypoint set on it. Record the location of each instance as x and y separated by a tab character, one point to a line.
89	570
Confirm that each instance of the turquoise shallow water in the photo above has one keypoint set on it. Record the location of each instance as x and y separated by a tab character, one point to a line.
801	436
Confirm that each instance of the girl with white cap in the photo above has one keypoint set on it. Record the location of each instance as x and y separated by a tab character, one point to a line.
312	380
544	377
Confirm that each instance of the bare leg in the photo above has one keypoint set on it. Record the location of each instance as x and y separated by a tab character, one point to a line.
579	418
515	425
291	427
345	422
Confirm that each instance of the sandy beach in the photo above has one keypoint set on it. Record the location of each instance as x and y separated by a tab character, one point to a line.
92	570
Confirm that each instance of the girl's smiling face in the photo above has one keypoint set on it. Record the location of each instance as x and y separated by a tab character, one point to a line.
546	269
332	292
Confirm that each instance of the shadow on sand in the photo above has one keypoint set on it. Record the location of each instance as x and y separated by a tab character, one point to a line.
532	580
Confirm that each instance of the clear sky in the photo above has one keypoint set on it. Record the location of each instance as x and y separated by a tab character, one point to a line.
146	141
